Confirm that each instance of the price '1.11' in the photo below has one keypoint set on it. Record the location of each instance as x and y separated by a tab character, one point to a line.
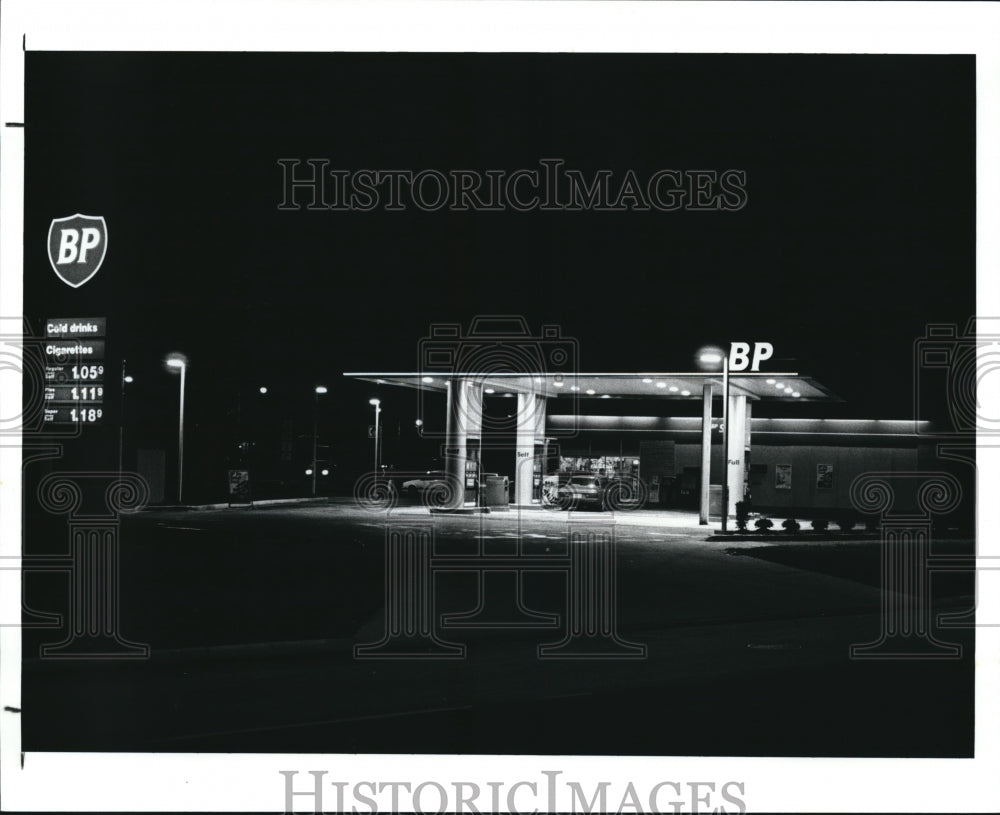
88	394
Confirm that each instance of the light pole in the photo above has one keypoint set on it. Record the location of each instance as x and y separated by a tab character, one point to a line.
246	439
319	391
126	379
178	362
378	410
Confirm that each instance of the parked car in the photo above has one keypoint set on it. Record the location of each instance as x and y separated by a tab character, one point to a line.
416	487
583	490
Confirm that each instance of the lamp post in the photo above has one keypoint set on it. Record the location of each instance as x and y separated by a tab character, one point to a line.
178	362
126	379
378	410
319	391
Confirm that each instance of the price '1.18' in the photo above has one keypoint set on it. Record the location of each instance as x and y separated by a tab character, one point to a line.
86	415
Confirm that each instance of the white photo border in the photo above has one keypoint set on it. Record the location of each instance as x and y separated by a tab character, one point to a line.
224	782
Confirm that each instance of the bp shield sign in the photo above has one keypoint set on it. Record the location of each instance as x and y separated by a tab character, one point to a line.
77	245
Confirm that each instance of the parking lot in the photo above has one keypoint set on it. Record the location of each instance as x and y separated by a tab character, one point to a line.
252	616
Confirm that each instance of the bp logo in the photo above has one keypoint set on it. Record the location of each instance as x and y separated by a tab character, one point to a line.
77	245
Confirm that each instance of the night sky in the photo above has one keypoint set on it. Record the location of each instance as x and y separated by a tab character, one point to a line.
858	229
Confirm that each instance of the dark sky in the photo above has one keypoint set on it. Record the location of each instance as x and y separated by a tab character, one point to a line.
858	228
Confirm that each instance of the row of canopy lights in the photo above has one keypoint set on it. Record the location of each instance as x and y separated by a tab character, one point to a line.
559	383
671	388
781	386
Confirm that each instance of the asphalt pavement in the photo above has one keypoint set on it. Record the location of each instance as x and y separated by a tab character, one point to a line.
252	617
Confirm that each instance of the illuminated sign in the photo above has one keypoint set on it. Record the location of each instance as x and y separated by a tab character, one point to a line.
62	350
741	358
77	245
74	375
71	414
75	393
66	328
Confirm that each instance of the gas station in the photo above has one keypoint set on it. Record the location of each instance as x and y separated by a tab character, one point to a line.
548	412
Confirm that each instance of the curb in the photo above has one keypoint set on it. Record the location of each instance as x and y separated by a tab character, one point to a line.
266	502
795	537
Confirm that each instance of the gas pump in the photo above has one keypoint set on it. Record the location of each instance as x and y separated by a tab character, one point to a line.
537	472
472	473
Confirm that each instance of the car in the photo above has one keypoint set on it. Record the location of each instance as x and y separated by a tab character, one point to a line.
582	490
415	487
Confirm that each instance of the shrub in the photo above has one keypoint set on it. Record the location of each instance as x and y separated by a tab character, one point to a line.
742	515
763	523
846	523
790	525
819	524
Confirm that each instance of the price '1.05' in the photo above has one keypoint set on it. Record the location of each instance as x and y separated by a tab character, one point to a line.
88	371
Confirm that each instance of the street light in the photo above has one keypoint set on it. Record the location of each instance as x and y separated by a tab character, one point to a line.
378	409
126	380
178	362
317	392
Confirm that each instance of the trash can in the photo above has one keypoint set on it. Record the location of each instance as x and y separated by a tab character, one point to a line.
497	491
481	488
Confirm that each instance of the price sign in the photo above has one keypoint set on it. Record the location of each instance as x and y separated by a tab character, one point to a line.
75	393
74	374
73	415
